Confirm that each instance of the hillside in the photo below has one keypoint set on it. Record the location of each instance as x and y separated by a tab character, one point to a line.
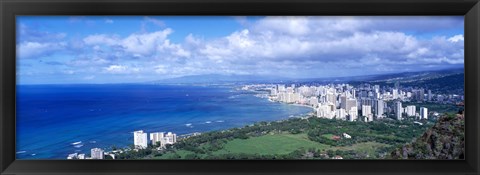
445	140
444	81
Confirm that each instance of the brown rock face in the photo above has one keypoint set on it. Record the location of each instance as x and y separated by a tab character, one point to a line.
445	140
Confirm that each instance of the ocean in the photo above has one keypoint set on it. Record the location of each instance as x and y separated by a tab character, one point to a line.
56	120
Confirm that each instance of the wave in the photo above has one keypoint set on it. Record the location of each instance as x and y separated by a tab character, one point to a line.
93	141
208	122
234	96
76	143
189	125
219	121
78	146
21	152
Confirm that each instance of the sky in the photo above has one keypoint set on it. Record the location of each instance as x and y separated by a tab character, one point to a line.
129	49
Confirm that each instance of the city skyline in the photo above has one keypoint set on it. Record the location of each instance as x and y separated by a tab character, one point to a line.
65	50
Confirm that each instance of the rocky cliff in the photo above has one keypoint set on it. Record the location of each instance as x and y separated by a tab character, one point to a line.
445	140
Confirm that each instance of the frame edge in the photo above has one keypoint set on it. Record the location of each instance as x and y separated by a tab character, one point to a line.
473	30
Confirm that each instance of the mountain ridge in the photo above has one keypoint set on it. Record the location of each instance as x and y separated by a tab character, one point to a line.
403	77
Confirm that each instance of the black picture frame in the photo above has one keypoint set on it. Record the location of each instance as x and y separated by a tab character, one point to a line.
10	8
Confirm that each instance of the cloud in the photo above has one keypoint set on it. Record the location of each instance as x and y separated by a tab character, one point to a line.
101	39
154	21
121	69
302	44
36	49
456	38
304	39
149	21
275	46
161	69
137	44
145	44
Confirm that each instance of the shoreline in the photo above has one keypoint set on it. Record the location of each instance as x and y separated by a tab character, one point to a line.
296	104
108	149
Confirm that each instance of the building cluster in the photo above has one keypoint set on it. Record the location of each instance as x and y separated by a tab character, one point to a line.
95	153
365	102
141	141
161	139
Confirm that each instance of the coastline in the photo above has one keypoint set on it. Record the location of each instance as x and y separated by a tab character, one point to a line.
296	104
228	113
302	116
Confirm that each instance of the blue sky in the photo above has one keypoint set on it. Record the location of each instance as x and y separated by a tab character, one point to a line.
125	49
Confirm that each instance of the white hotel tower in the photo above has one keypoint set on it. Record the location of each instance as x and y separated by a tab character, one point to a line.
97	153
140	139
423	113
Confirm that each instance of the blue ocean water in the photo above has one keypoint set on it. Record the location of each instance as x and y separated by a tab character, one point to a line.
56	120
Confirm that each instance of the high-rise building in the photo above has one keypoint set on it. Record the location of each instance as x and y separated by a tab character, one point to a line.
343	102
341	114
409	94
410	110
376	95
423	113
376	88
367	113
350	103
281	88
290	90
273	91
395	93
163	139
353	113
420	94
313	101
326	111
171	138
140	139
366	110
398	110
331	98
97	153
156	137
378	107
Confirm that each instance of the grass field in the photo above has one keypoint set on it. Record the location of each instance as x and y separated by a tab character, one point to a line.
270	144
278	144
181	153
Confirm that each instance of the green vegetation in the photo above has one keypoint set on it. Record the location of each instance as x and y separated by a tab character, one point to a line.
366	149
270	144
297	139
